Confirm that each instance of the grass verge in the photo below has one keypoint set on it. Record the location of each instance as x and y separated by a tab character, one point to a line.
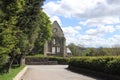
14	71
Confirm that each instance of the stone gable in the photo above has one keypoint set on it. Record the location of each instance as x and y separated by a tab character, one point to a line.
57	31
57	45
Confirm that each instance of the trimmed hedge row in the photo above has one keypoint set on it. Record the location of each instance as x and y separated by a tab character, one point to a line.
109	65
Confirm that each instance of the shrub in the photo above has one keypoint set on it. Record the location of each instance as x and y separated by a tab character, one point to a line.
107	64
113	66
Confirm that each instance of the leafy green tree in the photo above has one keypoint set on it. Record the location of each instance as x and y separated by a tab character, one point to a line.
45	32
76	50
100	52
92	52
23	45
8	30
30	24
116	50
22	25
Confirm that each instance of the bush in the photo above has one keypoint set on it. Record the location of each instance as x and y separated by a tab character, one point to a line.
3	59
110	65
113	66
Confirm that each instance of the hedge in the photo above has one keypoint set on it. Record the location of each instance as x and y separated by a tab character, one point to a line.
109	65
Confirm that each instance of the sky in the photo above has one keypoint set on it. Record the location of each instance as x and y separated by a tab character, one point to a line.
90	23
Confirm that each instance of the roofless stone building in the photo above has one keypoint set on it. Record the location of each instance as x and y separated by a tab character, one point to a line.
57	45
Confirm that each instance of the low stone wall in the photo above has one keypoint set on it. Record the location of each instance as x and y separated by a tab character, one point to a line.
39	61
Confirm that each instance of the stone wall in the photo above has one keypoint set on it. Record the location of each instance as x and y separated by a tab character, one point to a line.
39	61
58	42
45	61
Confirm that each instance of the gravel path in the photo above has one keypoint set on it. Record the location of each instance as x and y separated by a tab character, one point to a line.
52	72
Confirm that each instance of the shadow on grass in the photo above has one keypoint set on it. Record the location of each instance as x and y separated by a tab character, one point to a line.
3	69
15	66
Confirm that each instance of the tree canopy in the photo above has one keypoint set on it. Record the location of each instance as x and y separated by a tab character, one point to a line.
23	27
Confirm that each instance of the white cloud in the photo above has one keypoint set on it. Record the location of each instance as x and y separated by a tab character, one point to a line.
106	29
92	32
100	30
113	2
56	18
72	33
92	38
83	8
51	7
114	40
117	27
93	41
101	21
77	28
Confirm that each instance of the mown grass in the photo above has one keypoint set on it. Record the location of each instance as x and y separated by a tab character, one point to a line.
9	76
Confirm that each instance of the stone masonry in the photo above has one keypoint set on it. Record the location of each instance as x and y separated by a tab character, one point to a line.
57	45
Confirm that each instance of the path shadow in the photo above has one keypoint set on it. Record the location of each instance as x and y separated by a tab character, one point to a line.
93	74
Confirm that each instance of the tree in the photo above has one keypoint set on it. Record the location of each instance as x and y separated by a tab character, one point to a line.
100	52
23	46
45	32
33	22
116	50
92	52
8	30
76	50
21	22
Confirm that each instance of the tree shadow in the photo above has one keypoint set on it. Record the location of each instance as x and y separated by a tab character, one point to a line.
92	74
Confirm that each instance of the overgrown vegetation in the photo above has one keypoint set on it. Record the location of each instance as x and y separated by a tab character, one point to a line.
107	64
23	24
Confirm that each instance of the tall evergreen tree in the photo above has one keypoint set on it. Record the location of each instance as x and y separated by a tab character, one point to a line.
21	23
8	29
32	24
44	34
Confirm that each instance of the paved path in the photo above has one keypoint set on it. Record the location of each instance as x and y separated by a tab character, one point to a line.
52	72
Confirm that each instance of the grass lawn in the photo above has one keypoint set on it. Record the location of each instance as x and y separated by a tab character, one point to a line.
12	74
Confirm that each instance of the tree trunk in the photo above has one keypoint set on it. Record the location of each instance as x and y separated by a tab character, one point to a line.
22	60
10	65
